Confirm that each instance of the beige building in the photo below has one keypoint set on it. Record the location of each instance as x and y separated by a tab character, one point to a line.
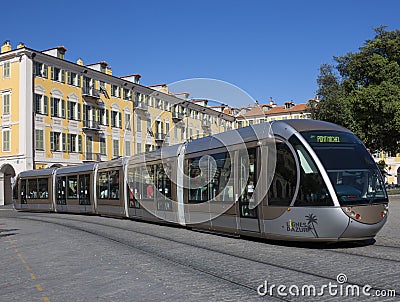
259	113
57	112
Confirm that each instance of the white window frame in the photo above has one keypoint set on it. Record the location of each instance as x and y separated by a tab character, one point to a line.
6	110
39	139
6	70
115	143
6	142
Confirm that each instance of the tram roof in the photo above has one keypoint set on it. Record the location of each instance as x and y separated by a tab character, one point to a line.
301	125
38	172
230	138
76	169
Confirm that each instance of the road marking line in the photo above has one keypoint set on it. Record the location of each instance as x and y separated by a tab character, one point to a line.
27	267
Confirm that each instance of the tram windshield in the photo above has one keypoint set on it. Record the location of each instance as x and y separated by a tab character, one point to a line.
351	169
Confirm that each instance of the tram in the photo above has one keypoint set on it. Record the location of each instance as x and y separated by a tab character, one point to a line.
299	180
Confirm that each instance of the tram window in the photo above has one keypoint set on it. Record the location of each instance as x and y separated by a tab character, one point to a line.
114	184
108	183
38	188
103	185
208	178
219	188
134	183
72	187
32	189
247	182
43	185
148	185
283	185
313	190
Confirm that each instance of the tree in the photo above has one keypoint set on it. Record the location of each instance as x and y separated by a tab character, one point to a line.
362	91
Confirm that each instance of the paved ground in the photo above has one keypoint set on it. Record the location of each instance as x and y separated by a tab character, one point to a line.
56	257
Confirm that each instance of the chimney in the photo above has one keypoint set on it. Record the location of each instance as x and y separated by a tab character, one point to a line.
20	45
6	46
79	62
108	70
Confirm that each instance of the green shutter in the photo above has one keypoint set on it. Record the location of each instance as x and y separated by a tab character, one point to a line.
45	71
119	119
51	141
68	110
64	142
69	80
80	143
46	105
51	106
79	111
107	117
63	114
52	73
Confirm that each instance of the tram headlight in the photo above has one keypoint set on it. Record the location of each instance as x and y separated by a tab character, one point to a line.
352	214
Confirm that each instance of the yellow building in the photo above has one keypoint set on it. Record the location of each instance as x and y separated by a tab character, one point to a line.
56	112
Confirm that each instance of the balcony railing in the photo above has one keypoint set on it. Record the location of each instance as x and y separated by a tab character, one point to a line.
206	123
141	106
91	92
177	116
91	125
90	156
159	137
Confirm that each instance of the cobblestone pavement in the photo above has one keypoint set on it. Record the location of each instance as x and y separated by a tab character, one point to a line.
57	257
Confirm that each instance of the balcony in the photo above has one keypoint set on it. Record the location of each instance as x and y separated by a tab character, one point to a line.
90	92
206	124
91	157
141	106
91	125
177	116
159	137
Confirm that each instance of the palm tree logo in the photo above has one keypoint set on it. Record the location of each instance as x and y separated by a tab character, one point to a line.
312	221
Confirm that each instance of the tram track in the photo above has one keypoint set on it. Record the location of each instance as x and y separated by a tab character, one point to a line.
158	253
151	253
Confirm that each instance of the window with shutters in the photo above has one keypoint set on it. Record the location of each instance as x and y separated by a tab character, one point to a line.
6	70
41	104
6	103
57	74
39	139
6	140
40	70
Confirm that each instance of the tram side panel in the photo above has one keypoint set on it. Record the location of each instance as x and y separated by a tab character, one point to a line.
74	191
35	193
110	191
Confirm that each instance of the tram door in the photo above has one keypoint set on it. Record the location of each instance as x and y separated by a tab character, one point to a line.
247	178
61	184
84	189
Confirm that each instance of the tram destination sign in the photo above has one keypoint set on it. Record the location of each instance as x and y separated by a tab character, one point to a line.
328	137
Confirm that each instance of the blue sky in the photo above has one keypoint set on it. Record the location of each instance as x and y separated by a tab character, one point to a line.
267	48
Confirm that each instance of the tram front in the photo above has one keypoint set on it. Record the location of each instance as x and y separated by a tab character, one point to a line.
355	178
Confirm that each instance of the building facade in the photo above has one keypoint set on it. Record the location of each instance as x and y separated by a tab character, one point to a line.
259	113
56	112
